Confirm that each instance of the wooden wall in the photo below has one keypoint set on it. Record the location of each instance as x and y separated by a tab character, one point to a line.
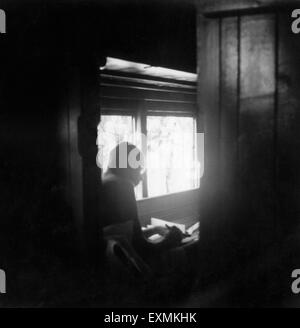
213	7
249	72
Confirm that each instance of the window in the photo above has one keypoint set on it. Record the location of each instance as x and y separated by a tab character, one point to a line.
112	130
171	151
171	155
155	109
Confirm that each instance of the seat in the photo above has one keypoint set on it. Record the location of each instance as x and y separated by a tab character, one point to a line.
121	256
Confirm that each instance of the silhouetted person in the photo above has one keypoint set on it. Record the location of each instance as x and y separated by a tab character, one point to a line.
121	216
121	222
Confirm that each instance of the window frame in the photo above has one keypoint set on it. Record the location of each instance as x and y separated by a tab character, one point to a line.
145	114
140	101
140	127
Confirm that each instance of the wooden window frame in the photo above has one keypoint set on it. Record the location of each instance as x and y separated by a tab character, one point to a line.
140	122
144	97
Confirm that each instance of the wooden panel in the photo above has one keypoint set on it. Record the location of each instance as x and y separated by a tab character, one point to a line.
288	123
135	81
183	107
256	124
87	127
229	102
133	105
147	93
208	103
208	91
217	6
121	104
75	159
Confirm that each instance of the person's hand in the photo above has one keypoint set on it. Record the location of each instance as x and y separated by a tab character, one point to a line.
174	236
163	231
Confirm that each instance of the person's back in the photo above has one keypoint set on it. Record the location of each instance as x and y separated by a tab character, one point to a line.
120	214
120	211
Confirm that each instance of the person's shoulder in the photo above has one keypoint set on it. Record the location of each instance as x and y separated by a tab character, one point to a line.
108	178
112	181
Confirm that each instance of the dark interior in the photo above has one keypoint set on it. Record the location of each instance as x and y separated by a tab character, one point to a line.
248	105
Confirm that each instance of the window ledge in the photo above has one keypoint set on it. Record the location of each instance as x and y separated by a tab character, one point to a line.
174	194
180	207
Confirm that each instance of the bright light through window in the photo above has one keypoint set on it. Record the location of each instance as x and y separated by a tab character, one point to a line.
112	130
171	155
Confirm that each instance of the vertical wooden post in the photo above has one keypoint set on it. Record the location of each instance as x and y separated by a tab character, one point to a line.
288	123
208	105
87	124
229	102
256	125
142	129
